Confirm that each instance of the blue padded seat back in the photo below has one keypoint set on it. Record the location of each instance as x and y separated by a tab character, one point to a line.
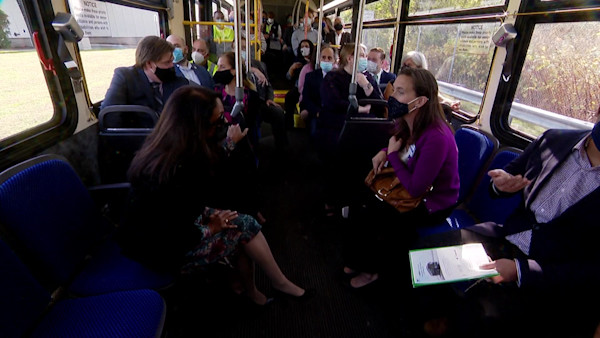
474	150
482	205
46	206
23	298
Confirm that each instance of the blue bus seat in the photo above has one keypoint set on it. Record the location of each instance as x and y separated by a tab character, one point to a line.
122	131
27	309
49	215
481	207
475	148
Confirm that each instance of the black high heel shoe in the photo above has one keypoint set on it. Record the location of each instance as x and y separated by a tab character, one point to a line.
308	294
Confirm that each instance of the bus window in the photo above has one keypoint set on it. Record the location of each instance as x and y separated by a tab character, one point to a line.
24	99
380	10
558	87
459	55
441	6
111	35
379	37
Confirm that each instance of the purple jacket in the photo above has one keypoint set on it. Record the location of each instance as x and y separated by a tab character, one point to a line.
434	163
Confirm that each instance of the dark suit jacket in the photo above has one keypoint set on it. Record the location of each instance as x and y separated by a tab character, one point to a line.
311	95
385	78
563	251
130	85
205	79
346	38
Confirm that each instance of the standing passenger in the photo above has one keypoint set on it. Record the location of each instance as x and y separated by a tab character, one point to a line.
200	56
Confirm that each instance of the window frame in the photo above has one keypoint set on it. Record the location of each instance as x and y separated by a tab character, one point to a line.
525	25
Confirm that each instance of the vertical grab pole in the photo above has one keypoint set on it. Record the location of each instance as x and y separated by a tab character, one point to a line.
396	29
306	20
248	50
319	37
239	86
353	86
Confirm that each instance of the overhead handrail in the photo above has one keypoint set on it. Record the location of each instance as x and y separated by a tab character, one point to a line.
239	85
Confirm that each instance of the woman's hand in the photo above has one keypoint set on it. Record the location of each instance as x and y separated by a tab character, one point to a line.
235	133
394	144
260	77
378	161
506	182
364	109
507	268
361	80
221	220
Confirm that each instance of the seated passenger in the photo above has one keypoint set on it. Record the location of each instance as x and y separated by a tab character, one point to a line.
335	109
200	56
270	111
169	224
192	72
310	104
545	252
414	59
423	154
374	66
150	81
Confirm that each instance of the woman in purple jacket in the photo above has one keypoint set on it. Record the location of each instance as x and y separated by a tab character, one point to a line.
424	156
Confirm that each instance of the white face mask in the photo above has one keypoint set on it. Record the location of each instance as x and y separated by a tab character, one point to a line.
197	57
270	21
372	67
308	21
305	51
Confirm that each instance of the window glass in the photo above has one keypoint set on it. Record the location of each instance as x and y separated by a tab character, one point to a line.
558	87
346	16
441	6
379	37
24	95
111	34
379	10
459	55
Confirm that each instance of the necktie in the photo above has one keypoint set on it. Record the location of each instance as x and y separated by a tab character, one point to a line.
376	76
157	96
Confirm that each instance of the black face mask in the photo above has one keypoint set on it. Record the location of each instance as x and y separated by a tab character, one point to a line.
338	26
223	77
165	74
397	109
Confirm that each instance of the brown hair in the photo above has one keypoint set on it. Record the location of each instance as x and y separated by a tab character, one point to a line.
151	48
380	51
181	132
347	50
230	57
424	84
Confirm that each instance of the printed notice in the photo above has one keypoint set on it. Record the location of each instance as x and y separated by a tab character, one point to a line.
475	39
448	264
92	17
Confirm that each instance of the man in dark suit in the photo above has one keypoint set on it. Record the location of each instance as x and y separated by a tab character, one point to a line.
339	37
150	81
184	68
374	66
546	252
310	105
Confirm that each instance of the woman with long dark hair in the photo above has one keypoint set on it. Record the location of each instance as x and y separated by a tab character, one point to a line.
169	224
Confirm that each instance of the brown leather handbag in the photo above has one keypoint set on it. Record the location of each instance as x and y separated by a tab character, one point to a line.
387	188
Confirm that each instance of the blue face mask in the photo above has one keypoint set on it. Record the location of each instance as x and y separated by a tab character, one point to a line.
362	64
326	66
177	55
397	109
243	54
596	135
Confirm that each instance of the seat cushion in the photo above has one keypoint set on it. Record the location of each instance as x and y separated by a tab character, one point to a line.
138	313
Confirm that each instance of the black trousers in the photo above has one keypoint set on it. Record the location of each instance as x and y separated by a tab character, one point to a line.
275	116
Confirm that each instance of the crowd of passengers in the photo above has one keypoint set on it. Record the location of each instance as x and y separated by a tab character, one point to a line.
193	196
